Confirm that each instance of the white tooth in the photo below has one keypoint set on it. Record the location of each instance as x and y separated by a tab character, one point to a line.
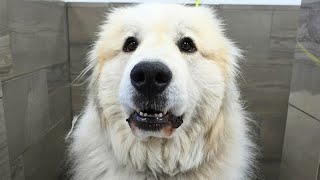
165	112
156	115
160	114
145	114
141	113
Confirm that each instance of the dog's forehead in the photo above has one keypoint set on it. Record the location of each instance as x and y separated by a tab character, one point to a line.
169	16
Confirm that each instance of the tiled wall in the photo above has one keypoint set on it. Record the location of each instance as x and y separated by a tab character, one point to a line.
4	56
301	152
266	33
35	84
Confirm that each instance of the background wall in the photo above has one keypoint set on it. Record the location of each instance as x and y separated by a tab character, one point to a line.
36	99
266	34
243	2
301	152
5	55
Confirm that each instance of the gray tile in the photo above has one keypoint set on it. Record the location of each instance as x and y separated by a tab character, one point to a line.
267	76
57	76
257	7
300	158
4	154
60	105
59	93
272	134
266	73
43	160
311	4
97	5
26	111
265	88
38	32
6	63
3	17
309	25
77	64
78	55
285	22
84	19
281	58
17	169
305	87
78	98
266	91
250	29
282	43
83	23
308	1
305	84
1	94
265	100
271	170
283	30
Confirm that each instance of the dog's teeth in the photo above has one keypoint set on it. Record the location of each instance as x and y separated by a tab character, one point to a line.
160	114
141	113
156	115
145	114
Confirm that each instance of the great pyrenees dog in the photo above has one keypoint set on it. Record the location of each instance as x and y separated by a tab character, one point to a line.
163	102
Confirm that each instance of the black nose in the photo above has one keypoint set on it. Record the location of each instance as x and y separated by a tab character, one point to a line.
150	78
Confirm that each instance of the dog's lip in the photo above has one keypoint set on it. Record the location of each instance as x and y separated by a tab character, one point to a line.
154	123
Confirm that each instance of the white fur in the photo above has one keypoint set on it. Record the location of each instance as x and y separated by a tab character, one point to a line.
213	141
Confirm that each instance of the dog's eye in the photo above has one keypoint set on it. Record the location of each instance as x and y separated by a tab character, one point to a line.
187	45
130	45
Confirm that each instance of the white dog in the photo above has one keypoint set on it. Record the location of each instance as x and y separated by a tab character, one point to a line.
163	102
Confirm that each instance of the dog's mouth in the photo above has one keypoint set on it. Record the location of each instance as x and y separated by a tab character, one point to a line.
152	120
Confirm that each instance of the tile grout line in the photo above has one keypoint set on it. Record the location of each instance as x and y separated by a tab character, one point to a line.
313	117
17	76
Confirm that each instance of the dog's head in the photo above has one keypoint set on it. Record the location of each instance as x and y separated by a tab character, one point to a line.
162	68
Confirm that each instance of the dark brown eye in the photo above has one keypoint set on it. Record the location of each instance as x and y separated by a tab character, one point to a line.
130	45
187	45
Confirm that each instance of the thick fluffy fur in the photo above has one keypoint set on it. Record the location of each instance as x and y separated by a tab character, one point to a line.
213	141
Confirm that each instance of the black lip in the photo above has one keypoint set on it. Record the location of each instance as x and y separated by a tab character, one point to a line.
151	123
151	119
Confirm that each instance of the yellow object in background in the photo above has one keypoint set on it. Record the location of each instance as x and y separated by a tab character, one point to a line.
197	3
309	54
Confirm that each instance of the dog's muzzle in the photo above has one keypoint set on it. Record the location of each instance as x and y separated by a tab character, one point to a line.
150	79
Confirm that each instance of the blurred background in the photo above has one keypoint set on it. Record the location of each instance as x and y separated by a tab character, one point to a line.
43	45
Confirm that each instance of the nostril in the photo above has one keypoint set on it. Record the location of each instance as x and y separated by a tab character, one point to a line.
138	77
162	78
